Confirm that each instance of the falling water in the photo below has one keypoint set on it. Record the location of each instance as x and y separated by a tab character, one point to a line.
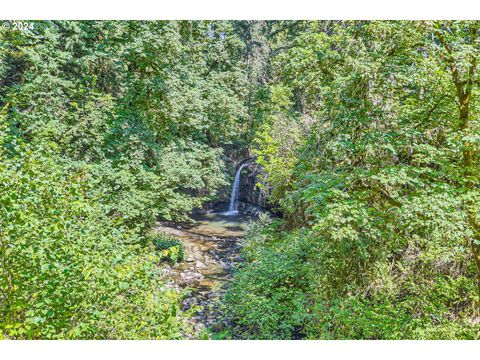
232	210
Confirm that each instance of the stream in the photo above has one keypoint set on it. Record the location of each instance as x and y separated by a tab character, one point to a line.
212	249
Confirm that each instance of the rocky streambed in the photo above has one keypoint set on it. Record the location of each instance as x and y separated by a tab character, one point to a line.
212	249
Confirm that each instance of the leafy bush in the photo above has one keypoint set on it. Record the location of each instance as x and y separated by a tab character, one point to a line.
267	299
299	284
67	271
170	249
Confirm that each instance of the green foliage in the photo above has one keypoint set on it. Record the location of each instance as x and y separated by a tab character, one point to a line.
170	249
367	133
267	300
298	285
148	105
377	184
267	297
107	126
69	272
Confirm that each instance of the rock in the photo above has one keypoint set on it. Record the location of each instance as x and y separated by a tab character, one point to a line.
207	254
217	327
200	265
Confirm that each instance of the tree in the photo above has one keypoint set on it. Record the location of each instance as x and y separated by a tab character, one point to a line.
459	43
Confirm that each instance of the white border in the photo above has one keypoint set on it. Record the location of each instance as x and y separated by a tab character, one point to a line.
240	9
245	350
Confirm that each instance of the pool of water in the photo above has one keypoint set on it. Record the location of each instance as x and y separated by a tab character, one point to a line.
219	224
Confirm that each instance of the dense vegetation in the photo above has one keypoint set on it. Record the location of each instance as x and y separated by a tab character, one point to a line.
106	126
369	141
372	152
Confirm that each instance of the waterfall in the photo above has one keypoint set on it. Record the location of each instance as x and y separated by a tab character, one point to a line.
232	210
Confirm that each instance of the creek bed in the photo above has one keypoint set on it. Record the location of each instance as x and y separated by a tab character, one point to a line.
212	250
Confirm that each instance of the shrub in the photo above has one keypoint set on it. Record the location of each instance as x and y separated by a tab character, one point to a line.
293	284
171	249
267	299
67	271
